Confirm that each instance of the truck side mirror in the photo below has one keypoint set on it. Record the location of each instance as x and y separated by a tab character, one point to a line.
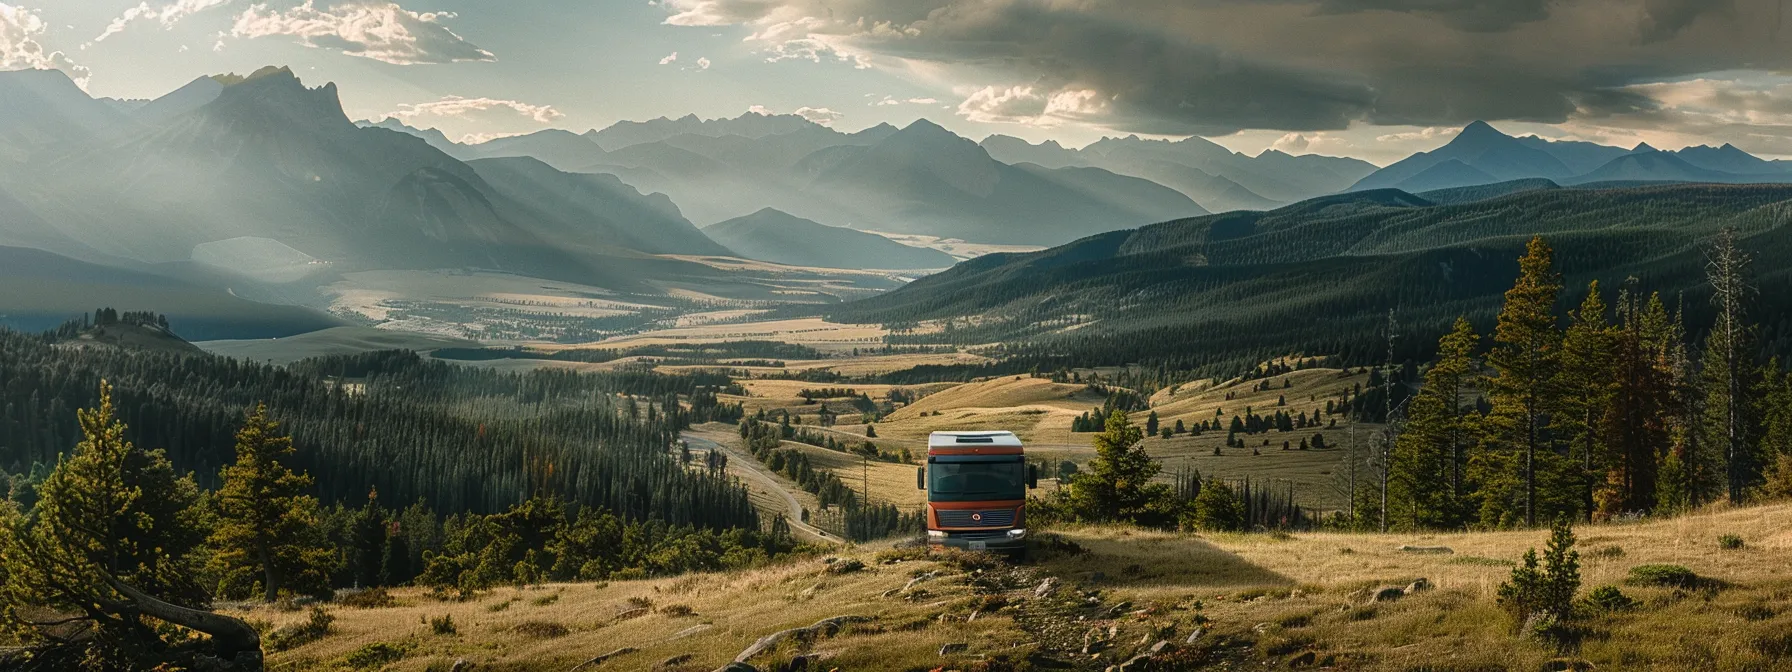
1032	476
920	478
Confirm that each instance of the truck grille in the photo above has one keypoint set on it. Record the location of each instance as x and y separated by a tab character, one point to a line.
983	518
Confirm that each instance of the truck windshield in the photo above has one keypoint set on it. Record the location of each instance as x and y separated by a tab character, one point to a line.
976	481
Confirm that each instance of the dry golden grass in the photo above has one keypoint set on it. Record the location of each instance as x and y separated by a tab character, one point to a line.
890	482
1271	599
811	331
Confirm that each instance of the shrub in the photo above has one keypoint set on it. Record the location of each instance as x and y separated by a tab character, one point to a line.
1673	576
678	610
372	598
442	625
1729	542
545	600
1609	598
500	606
300	634
375	655
541	629
1216	509
1546	592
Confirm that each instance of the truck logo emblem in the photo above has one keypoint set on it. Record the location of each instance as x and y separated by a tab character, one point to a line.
977	517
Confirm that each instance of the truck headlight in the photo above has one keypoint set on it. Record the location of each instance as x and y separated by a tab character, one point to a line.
936	534
1017	533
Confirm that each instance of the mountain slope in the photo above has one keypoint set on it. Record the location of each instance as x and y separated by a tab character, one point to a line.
924	179
44	107
749	125
589	211
194	311
1488	152
563	150
771	235
1215	177
1320	276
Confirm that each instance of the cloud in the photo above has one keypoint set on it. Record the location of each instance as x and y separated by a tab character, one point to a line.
670	58
168	14
1292	143
892	100
456	106
1470	15
20	30
380	31
1750	110
1212	67
702	63
819	115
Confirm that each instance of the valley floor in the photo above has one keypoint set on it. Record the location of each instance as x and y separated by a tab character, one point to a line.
1257	601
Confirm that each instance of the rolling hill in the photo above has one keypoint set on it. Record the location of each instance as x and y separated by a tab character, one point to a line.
775	236
1321	275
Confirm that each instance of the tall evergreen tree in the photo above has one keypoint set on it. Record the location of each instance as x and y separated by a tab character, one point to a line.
1639	420
110	511
267	529
1726	369
1587	383
1526	356
1428	488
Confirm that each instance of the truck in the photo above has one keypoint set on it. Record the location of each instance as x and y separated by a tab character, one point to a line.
976	485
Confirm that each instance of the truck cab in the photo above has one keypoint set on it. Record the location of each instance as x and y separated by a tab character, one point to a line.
976	485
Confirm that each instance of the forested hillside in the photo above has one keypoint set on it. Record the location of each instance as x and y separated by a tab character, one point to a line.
1225	292
462	439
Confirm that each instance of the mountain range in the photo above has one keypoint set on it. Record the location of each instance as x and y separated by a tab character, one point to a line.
1481	155
918	179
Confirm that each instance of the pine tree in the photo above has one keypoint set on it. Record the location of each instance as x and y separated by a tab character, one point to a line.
108	511
1587	383
1724	376
267	525
1775	412
1638	421
1428	488
1525	357
1117	484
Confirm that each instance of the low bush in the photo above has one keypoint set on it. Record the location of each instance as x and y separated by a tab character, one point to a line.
541	629
1672	576
300	634
545	600
1729	542
1609	598
372	598
442	625
376	655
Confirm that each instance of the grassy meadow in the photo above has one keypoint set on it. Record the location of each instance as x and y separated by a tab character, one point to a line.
1257	601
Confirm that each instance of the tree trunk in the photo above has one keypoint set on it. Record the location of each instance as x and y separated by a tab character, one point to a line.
270	587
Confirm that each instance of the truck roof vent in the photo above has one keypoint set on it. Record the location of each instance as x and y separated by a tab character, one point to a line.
976	439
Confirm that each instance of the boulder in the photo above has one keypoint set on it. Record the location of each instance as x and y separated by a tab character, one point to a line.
1439	550
1418	586
1046	587
1305	659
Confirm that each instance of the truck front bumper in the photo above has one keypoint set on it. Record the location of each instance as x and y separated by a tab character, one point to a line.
997	541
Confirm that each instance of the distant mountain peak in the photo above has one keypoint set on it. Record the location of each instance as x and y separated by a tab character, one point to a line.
1643	147
1480	128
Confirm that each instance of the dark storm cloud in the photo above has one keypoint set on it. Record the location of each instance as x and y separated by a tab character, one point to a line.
1210	66
1469	15
1664	18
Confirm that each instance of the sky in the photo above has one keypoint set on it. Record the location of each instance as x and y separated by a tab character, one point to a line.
1374	79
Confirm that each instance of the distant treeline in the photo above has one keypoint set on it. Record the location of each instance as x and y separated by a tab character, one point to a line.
756	353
